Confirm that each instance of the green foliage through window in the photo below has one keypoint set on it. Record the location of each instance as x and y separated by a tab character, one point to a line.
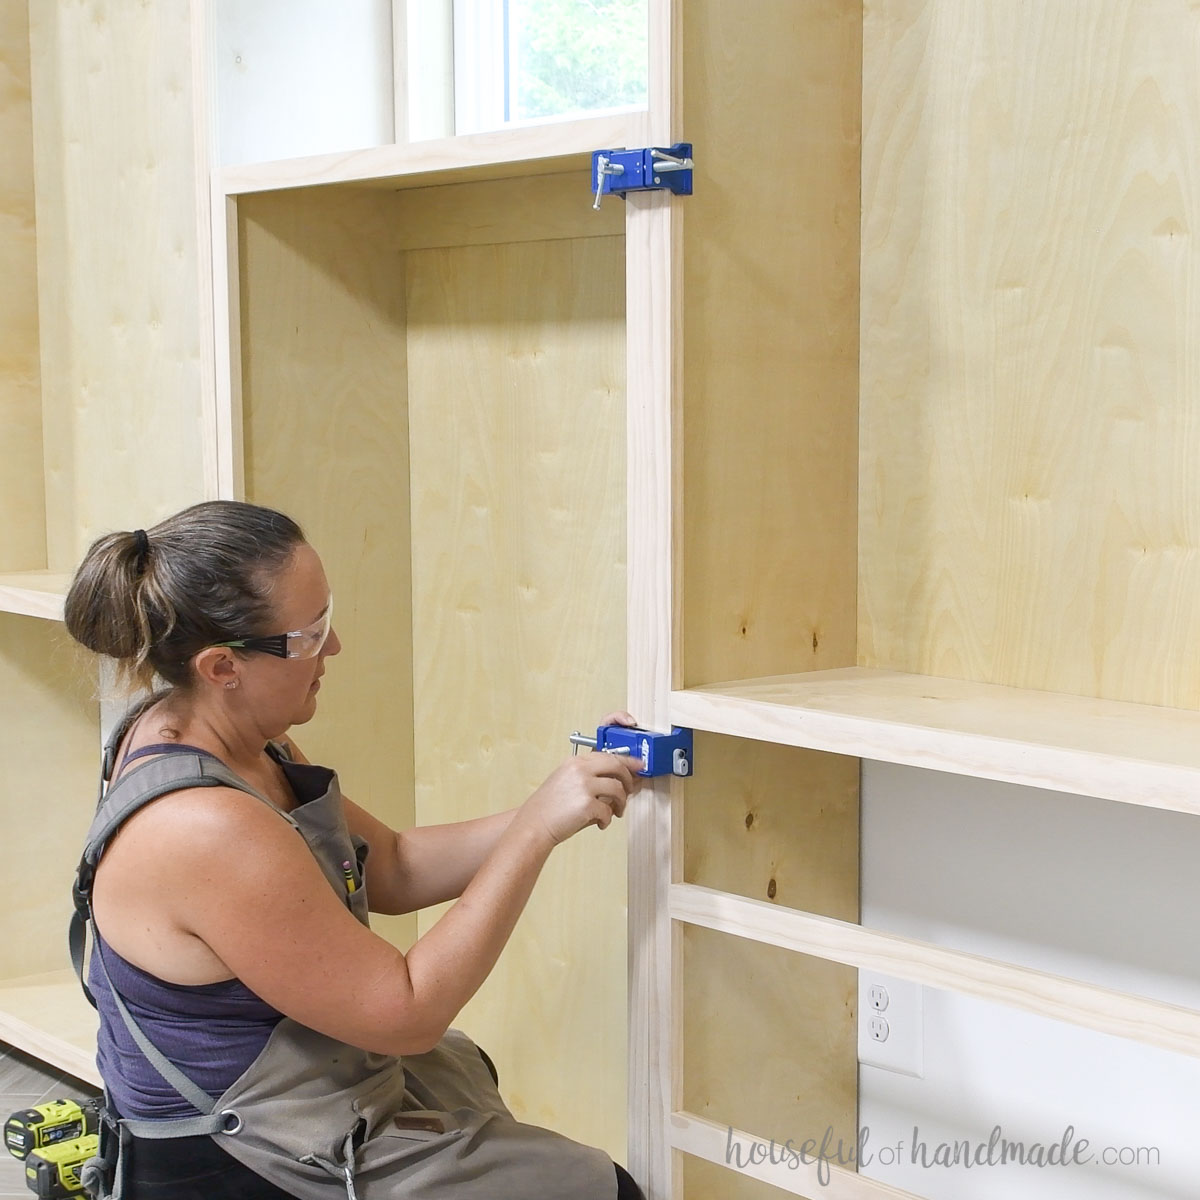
576	56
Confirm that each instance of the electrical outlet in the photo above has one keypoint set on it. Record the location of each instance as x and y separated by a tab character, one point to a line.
895	1042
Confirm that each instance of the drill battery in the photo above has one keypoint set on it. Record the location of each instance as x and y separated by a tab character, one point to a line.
56	1121
52	1173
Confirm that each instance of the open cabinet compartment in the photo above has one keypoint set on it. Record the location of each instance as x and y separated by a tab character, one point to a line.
100	344
432	383
1003	496
50	721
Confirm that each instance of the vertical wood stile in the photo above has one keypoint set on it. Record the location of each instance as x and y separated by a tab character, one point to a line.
203	121
654	224
227	321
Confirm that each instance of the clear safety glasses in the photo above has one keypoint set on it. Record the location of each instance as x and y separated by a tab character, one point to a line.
299	643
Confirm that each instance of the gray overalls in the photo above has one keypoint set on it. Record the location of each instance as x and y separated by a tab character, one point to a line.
319	1118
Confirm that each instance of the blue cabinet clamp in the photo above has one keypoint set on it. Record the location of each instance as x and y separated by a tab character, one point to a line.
615	172
663	753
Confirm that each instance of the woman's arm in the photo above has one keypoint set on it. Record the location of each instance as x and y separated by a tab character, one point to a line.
231	873
415	868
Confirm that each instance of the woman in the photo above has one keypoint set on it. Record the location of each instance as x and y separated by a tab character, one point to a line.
248	1014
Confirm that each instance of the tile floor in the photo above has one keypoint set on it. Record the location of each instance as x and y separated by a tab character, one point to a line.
25	1082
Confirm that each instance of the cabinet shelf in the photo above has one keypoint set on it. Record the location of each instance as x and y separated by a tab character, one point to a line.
34	593
48	1016
1136	753
529	150
1140	1018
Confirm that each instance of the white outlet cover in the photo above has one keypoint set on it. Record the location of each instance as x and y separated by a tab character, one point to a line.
904	1049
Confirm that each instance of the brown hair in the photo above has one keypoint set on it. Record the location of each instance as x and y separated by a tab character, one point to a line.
151	599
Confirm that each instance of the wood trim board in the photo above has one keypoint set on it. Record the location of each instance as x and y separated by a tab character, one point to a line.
1091	1006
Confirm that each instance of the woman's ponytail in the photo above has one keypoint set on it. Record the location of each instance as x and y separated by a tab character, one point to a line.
152	599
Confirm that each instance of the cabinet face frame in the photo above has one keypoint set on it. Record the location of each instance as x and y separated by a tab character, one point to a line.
654	224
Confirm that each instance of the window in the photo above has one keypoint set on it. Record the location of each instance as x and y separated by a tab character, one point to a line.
522	61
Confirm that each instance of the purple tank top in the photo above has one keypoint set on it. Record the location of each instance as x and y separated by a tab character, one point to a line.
211	1031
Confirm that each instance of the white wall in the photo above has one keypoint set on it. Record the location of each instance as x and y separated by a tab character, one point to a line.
1105	892
298	77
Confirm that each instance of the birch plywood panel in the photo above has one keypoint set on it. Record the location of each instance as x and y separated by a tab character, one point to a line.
770	337
770	452
516	369
48	715
22	485
117	266
1030	507
769	1039
779	1058
326	440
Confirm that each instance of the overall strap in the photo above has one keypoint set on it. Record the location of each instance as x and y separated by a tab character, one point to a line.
108	760
133	791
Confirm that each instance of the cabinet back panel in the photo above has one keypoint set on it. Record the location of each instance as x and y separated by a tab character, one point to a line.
119	293
771	101
516	359
1030	506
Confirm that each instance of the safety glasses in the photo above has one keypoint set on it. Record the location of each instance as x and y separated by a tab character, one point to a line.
299	643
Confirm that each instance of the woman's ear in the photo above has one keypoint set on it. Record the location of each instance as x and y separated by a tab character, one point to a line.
216	666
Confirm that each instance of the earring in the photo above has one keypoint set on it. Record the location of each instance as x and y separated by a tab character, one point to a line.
232	683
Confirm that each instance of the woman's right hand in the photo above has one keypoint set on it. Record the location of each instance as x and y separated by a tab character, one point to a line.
589	789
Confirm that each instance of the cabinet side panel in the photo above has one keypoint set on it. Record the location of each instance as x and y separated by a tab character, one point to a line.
770	400
117	266
49	737
1030	508
770	302
326	440
22	486
770	1047
770	1040
516	383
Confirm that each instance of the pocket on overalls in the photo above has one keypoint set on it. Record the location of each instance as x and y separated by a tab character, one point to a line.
407	1138
421	1125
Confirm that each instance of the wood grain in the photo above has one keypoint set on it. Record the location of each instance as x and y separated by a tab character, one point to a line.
770	339
118	287
325	428
1031	290
1132	753
49	717
770	1038
515	359
765	1033
767	525
22	482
